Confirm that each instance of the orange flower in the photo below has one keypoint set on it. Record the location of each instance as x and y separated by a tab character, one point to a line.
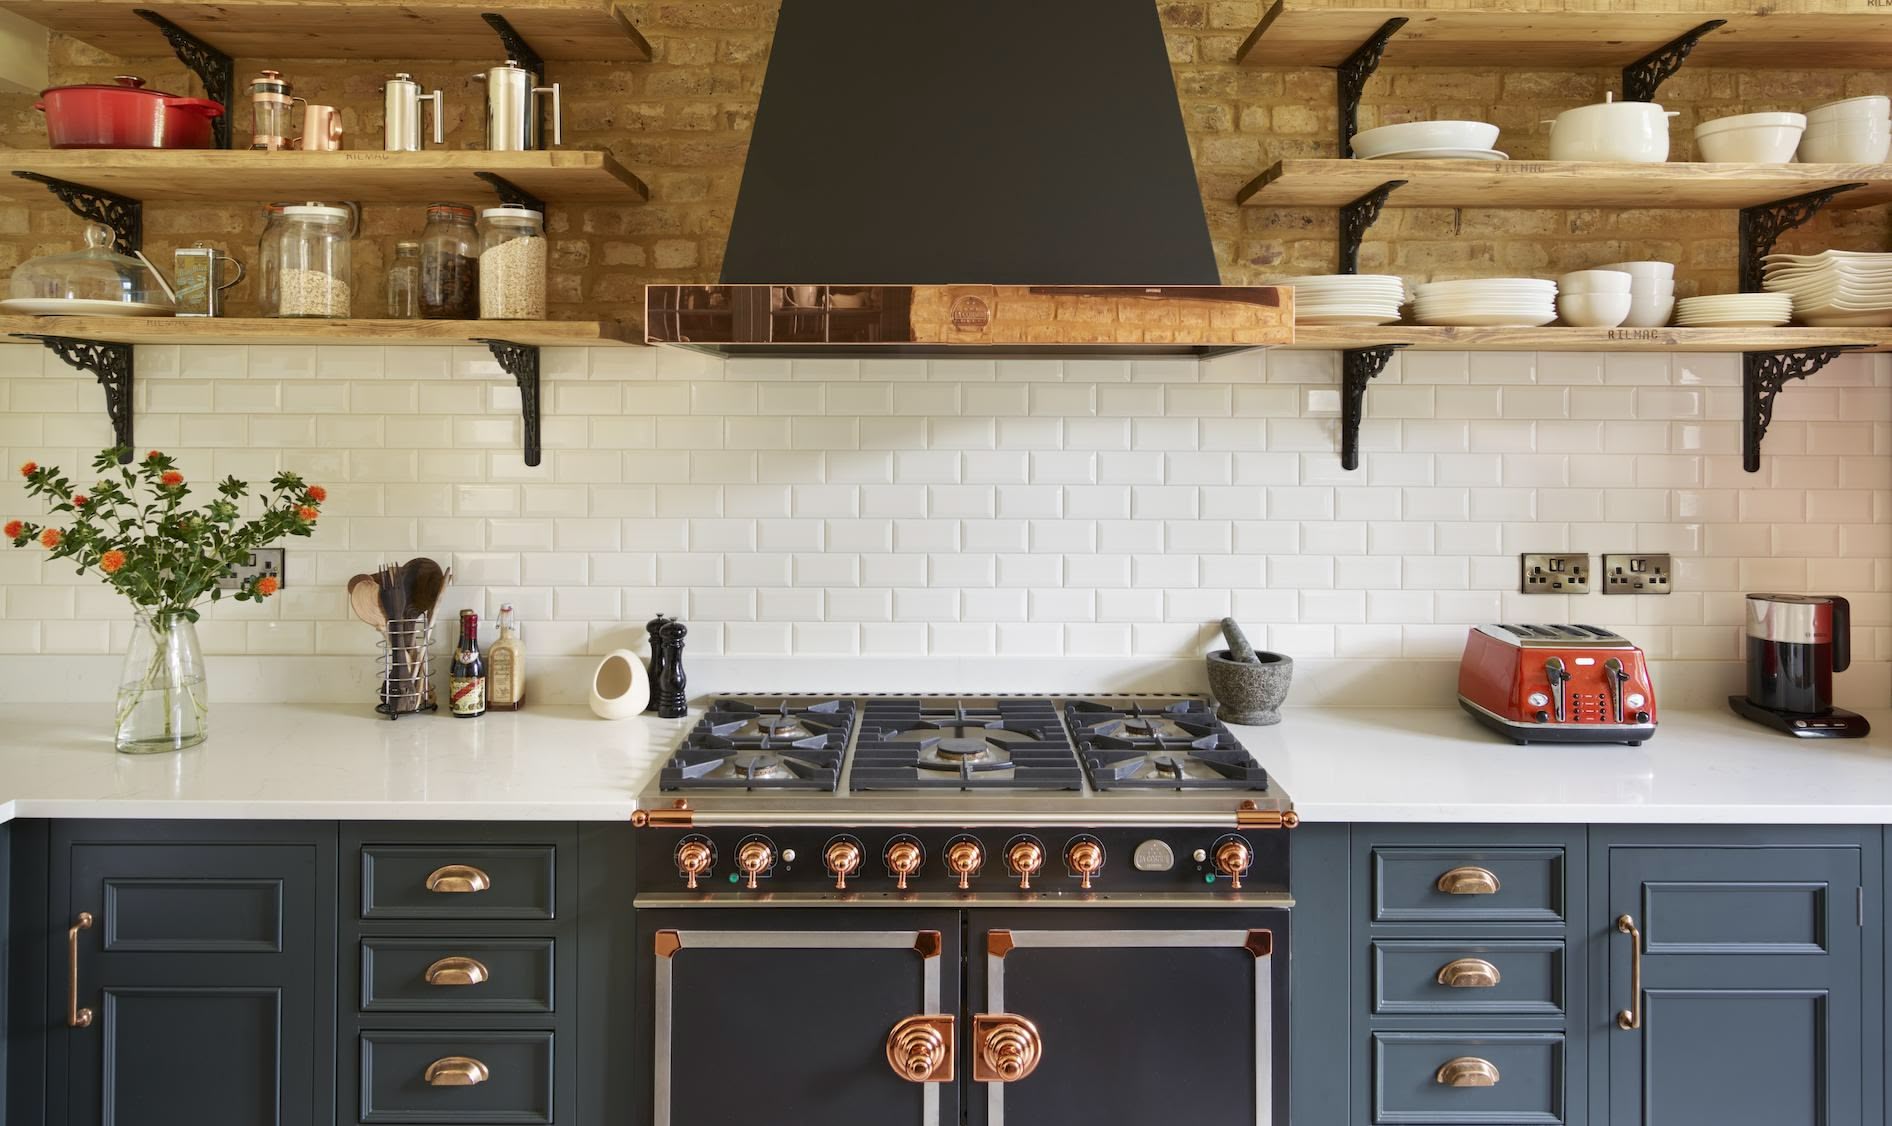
307	514
152	455
50	537
29	468
267	585
13	529
80	501
170	479
111	561
317	494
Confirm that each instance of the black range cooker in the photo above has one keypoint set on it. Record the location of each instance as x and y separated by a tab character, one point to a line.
934	910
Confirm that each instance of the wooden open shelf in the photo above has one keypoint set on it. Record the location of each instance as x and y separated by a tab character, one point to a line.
208	175
1559	184
305	331
1568	34
1309	338
374	29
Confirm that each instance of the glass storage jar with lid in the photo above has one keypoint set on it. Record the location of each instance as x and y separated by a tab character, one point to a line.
269	260
315	279
404	282
512	264
449	264
102	280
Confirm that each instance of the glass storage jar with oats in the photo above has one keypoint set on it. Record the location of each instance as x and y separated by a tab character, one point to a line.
314	279
512	264
449	264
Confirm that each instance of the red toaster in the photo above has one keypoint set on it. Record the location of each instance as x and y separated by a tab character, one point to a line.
1557	684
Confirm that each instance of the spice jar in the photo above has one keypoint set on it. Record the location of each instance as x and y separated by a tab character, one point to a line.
269	260
316	262
512	264
449	264
404	282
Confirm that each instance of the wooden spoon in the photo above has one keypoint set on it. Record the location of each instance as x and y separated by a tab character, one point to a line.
364	597
424	581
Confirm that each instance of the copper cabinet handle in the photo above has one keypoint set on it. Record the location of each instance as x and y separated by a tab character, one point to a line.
1469	973
457	970
456	1071
920	1048
1630	1019
1467	1071
75	1016
1007	1048
1470	880
458	878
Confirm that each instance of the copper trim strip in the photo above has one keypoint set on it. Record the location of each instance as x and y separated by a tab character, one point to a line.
999	943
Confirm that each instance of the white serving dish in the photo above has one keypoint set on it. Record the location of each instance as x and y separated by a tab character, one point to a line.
1595	281
1632	132
1442	154
1488	320
1593	310
1872	107
1864	142
1819	318
1346	320
1750	138
1409	136
1751	121
1649	311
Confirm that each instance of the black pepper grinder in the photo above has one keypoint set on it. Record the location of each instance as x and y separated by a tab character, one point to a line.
673	702
658	659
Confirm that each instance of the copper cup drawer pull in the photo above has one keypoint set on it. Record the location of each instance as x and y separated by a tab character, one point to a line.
458	879
1469	973
1470	880
920	1048
76	1017
457	970
456	1071
1467	1071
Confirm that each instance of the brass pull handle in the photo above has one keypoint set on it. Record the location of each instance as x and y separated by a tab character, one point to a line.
1630	1019
920	1048
456	1071
1009	1048
457	970
458	878
1469	973
75	1016
1467	1071
1470	881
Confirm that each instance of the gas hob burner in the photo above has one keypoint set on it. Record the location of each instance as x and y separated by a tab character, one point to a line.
1160	745
763	744
966	744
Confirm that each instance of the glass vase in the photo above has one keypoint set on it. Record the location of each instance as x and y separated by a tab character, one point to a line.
161	700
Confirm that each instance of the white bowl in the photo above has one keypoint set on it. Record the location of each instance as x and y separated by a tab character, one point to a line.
1771	141
1870	143
1596	281
1872	107
1655	287
1641	270
1409	135
1649	311
1751	121
1635	132
1594	310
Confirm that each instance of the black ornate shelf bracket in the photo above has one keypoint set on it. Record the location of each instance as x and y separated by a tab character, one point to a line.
112	364
517	49
1763	375
511	194
126	217
1358	367
521	361
1643	77
1356	219
1351	78
1762	226
214	68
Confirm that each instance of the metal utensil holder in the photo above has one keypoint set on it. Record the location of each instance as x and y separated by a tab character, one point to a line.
407	686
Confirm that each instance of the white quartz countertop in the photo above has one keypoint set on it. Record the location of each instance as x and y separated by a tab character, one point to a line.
550	764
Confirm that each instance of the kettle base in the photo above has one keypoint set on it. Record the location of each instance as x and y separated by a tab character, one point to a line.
1836	724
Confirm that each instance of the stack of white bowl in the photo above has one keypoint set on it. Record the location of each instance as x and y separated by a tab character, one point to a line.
1855	131
1347	299
1834	288
1734	310
1428	140
1651	292
1594	298
1479	302
1750	138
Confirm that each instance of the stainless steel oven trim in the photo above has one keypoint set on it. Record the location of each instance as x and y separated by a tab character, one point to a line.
783	940
1243	900
1190	939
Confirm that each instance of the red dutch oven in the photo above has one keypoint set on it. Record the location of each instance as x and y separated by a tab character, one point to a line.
126	116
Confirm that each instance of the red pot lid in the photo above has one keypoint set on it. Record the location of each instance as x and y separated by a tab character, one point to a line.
123	83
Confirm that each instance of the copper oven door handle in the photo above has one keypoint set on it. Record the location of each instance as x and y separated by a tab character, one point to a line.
920	1048
1630	1019
1006	1048
75	1016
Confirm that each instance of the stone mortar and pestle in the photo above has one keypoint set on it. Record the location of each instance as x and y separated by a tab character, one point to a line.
1249	687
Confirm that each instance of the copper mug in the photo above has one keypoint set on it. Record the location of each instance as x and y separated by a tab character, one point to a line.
321	129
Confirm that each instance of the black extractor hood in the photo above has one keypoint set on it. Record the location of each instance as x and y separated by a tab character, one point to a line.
1006	175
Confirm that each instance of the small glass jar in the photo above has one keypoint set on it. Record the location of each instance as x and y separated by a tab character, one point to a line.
404	282
512	264
269	260
316	262
449	264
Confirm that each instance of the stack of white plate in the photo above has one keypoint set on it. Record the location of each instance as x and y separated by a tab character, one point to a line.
1428	140
1734	310
1835	288
1347	299
1479	302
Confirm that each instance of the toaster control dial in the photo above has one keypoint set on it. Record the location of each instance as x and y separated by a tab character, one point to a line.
1538	700
1635	700
1642	717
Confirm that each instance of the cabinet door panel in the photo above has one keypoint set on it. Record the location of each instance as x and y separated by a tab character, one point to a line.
1690	1059
213	1050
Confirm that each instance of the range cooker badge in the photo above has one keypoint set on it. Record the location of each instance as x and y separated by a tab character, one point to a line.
1154	856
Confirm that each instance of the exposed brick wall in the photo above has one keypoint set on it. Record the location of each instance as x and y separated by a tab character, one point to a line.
682	123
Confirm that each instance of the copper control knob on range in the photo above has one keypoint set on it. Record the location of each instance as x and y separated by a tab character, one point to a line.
1086	858
1232	858
753	859
693	859
903	860
843	859
963	858
1026	859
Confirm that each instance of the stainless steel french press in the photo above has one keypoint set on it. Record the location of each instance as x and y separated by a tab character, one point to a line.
511	123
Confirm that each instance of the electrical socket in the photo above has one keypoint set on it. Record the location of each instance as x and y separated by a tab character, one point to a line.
268	561
1636	574
1556	574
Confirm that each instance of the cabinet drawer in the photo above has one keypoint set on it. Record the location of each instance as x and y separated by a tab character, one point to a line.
514	1070
1495	885
481	975
471	882
1447	977
1409	1086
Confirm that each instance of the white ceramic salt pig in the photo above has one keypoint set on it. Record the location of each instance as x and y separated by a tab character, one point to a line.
620	686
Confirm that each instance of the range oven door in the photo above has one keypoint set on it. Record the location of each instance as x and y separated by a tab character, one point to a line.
792	1018
1135	1017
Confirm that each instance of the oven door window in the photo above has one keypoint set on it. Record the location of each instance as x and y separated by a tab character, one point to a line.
1139	1018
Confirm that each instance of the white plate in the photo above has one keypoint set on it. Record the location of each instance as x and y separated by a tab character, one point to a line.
1880	319
1487	320
1356	320
1730	322
75	307
1440	154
